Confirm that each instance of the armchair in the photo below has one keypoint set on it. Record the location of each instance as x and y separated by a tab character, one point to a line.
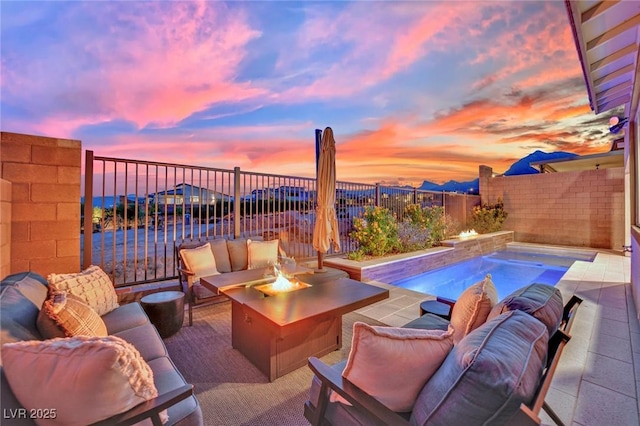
364	409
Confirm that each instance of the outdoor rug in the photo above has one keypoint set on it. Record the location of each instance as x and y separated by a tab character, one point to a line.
230	389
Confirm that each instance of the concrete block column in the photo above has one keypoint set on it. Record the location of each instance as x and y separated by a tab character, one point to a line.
44	174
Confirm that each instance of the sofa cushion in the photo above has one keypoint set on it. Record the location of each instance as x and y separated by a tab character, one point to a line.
428	322
31	284
199	260
487	375
78	373
146	340
542	301
93	285
221	254
127	316
18	316
166	378
65	315
392	364
472	308
261	253
238	254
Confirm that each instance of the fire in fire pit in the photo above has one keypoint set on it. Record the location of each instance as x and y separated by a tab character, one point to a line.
282	284
467	234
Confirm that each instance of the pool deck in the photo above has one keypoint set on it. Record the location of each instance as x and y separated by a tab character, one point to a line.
598	377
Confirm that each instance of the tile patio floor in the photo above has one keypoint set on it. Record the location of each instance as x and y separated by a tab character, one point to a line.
598	378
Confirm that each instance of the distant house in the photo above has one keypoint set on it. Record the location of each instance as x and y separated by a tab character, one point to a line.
186	195
291	193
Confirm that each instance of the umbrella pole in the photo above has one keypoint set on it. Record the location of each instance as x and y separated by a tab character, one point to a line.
320	265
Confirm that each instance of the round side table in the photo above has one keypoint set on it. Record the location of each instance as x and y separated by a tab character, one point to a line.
165	310
436	308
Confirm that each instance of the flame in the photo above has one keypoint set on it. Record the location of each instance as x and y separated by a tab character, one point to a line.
281	283
467	234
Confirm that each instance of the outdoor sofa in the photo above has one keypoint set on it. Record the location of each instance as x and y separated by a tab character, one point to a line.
50	380
205	257
496	369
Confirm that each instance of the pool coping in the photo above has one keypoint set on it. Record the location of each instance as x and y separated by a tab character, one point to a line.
399	266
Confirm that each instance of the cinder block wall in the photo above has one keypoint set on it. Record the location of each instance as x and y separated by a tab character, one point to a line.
5	228
584	208
45	202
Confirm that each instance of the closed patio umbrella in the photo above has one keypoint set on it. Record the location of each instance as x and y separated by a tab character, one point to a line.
325	231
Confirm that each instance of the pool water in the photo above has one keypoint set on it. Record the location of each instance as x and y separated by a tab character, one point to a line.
510	270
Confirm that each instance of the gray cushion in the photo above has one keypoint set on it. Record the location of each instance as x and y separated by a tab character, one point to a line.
166	378
146	340
542	301
487	375
125	317
428	322
31	284
18	316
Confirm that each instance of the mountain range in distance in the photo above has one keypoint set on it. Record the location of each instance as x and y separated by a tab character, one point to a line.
520	167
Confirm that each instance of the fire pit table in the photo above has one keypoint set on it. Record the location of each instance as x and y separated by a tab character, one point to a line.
279	332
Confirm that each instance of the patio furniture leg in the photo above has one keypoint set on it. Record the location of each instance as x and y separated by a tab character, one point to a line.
552	414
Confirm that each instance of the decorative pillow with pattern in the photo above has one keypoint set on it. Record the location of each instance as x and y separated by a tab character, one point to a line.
392	364
66	315
92	285
86	379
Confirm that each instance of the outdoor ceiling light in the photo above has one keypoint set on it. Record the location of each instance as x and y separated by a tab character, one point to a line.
617	123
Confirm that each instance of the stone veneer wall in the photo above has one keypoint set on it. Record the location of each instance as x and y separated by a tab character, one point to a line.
45	202
396	267
583	208
5	227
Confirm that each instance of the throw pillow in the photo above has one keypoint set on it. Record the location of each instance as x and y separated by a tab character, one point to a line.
472	308
392	364
238	254
92	285
487	375
221	254
86	379
262	253
65	315
200	261
542	301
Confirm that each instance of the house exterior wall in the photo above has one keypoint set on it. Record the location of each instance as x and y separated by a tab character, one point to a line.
584	208
45	202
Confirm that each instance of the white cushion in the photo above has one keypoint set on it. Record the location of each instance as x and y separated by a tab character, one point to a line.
472	308
92	285
262	253
200	261
85	379
392	364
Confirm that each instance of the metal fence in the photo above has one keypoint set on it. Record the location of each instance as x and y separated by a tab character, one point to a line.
135	212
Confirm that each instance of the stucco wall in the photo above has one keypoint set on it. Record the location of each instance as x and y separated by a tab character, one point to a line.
45	202
584	208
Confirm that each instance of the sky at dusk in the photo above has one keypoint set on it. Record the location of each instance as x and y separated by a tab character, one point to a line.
413	90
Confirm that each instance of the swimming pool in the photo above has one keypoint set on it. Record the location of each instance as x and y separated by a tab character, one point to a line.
510	270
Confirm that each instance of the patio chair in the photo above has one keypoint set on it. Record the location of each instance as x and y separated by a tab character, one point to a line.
195	293
226	261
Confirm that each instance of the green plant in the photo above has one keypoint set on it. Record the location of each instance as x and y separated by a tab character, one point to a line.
488	218
431	219
376	232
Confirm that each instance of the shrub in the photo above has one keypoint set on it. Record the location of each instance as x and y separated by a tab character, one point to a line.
488	218
412	237
376	232
429	219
